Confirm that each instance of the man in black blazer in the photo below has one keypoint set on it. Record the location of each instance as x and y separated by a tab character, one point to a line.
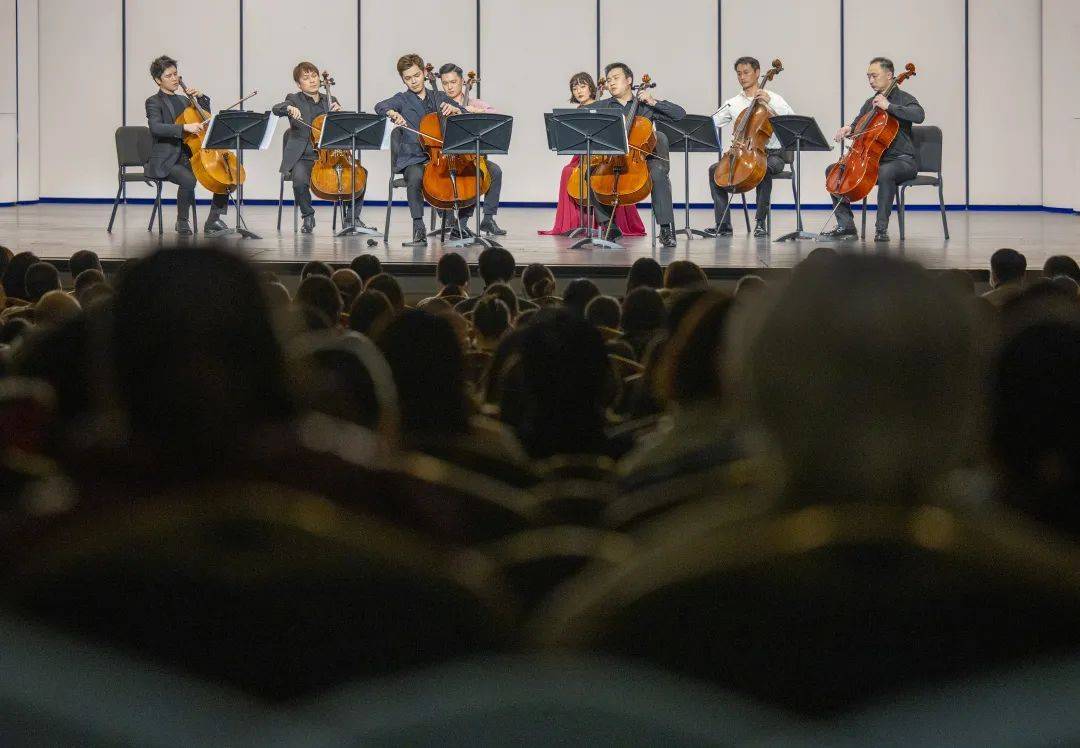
407	108
170	159
898	163
299	155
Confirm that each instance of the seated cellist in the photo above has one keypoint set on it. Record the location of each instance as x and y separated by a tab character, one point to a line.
170	159
897	163
620	81
407	108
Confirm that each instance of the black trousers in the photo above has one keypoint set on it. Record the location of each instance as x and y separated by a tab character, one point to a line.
720	198
414	189
661	186
184	178
301	186
890	173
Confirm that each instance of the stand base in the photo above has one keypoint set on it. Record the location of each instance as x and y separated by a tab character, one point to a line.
358	228
596	242
472	241
691	233
795	236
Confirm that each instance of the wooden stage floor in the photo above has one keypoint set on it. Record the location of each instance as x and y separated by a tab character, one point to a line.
55	231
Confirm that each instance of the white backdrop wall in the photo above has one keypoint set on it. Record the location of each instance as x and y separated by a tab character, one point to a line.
525	53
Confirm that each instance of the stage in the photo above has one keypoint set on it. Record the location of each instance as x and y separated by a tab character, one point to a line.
54	231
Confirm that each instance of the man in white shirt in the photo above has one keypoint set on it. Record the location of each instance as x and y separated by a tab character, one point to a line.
748	71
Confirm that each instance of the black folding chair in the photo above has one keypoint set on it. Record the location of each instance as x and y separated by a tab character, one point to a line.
927	140
133	144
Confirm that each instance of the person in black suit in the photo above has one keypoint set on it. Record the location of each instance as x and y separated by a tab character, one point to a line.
897	163
407	108
170	159
620	81
299	155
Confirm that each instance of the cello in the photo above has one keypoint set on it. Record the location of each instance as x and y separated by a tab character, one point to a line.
621	180
453	181
744	163
217	170
334	169
855	174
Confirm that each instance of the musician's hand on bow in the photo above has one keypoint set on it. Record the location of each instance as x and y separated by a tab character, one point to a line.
881	103
294	112
335	107
448	109
396	118
194	127
842	133
646	98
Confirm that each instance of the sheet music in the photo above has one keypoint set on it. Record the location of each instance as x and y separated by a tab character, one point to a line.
271	128
387	132
208	128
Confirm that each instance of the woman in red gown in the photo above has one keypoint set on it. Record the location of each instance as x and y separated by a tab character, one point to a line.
568	214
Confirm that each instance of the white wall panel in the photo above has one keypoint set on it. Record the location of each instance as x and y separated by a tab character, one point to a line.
1060	68
29	112
80	96
679	51
438	30
523	78
929	33
805	36
204	35
1006	101
8	132
326	37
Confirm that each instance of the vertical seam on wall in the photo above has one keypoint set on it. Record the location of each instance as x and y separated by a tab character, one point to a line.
841	63
123	79
16	102
123	62
719	53
598	40
360	37
967	108
241	25
479	78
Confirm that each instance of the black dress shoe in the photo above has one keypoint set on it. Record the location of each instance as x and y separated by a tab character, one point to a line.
761	229
667	236
309	225
419	236
183	227
614	234
488	226
839	233
881	235
216	227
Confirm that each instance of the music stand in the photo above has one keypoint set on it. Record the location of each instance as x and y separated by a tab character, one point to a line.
239	130
360	132
697	133
801	133
479	134
591	133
